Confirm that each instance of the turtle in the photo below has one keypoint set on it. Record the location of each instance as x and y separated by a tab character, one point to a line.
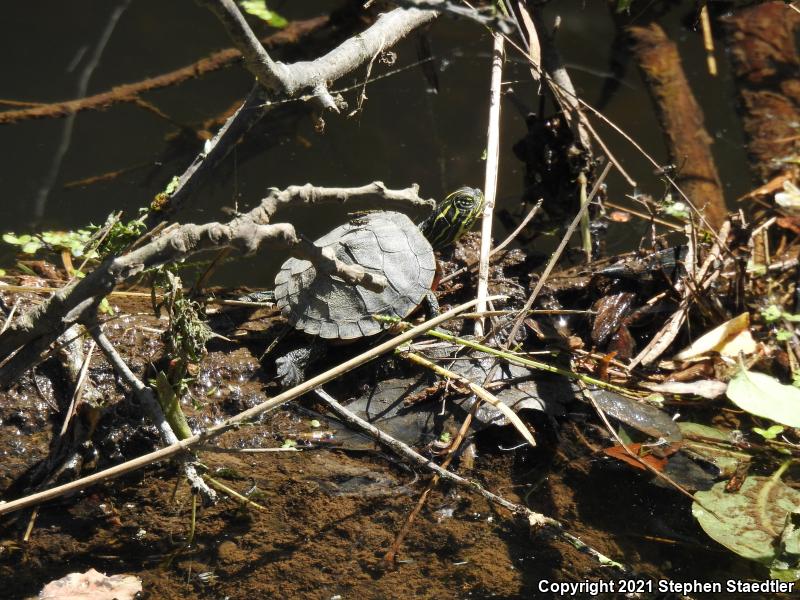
386	243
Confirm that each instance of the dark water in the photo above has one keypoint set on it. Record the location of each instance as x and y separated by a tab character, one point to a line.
405	134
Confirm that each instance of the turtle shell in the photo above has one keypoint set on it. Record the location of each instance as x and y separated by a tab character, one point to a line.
385	243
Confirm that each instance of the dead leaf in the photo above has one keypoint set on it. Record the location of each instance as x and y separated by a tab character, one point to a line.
92	586
705	388
644	454
723	339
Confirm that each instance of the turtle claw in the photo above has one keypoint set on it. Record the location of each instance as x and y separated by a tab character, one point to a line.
291	367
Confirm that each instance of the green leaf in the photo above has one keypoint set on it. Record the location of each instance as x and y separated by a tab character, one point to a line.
31	247
678	210
2	272
783	335
258	8
105	307
770	433
764	396
785	575
771	313
10	238
171	186
746	522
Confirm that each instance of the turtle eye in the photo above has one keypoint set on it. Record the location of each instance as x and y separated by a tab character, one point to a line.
464	203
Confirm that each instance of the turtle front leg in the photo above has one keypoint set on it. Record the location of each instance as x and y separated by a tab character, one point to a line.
291	367
431	305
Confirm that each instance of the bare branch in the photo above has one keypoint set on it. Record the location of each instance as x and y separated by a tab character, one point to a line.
311	77
306	76
270	74
152	408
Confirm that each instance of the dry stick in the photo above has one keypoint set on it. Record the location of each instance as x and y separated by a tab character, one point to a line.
490	185
499	247
535	520
183	445
220	450
234	494
148	400
586	233
708	40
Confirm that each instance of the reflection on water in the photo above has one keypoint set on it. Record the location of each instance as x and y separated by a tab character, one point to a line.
404	134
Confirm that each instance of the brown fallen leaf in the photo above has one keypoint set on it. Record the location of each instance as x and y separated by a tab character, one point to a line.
644	454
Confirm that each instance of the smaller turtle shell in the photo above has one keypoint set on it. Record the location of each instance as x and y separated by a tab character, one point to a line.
385	243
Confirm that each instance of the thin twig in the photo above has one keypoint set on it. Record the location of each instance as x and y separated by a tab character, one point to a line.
708	40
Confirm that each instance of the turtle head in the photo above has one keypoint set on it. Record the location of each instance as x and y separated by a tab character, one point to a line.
453	217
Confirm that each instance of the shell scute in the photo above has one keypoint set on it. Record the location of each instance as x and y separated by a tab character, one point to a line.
385	243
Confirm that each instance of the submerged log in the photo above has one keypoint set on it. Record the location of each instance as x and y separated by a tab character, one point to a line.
681	118
763	53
